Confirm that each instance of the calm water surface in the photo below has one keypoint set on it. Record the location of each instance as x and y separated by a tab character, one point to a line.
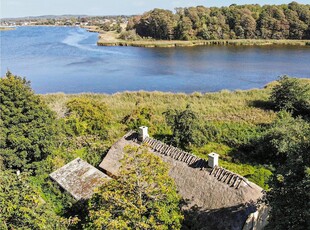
67	59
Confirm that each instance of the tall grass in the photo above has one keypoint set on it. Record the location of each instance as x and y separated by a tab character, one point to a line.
237	106
235	114
179	43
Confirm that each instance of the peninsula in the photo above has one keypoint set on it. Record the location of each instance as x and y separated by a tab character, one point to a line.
192	26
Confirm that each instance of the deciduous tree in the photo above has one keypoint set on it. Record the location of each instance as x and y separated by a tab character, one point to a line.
142	197
21	207
289	196
87	116
276	142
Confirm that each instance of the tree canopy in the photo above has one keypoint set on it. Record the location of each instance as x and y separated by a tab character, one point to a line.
26	123
291	95
274	144
183	124
140	116
290	185
142	197
21	207
291	21
88	117
157	23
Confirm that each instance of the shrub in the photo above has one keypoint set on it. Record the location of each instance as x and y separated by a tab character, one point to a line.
289	94
88	116
129	35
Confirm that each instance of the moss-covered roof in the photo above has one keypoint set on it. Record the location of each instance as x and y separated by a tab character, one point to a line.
201	187
79	178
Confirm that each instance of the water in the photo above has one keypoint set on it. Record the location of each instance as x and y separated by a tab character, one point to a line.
67	59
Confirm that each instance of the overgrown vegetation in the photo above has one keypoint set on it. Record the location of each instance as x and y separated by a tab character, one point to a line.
246	128
183	125
287	21
142	197
291	95
27	124
130	35
289	196
21	206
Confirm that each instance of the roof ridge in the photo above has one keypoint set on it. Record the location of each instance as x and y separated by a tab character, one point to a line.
221	174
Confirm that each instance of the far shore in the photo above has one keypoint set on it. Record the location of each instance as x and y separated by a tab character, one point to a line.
110	38
180	43
4	28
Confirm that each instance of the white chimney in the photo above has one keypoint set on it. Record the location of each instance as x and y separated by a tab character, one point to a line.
143	133
213	160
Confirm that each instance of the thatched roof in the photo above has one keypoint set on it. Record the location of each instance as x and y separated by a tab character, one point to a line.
79	178
199	185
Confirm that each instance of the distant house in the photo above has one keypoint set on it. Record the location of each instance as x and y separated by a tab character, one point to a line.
79	178
68	23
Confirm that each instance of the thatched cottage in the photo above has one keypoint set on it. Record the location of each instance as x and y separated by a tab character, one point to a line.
214	198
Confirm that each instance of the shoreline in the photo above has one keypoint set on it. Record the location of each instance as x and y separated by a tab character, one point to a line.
180	43
4	28
268	86
111	38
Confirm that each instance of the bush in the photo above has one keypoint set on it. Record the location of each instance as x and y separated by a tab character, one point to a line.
291	95
22	207
282	136
129	35
88	117
289	197
141	116
184	126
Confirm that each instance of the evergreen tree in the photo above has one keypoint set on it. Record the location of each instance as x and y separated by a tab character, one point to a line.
26	124
289	94
183	125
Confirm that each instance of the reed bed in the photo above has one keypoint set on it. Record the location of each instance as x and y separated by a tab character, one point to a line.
179	43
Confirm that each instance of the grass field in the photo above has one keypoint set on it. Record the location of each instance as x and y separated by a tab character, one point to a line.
237	115
238	106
